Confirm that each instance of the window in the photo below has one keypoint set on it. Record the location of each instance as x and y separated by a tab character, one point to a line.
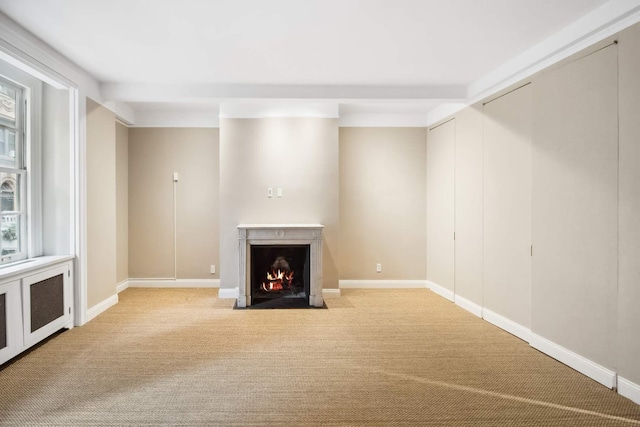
12	174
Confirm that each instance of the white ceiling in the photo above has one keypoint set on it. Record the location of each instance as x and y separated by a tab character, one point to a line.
384	52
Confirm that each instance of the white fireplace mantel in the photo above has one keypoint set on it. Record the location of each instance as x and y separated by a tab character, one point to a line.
280	234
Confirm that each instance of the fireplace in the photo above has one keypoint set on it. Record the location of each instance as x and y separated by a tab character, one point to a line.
280	265
280	271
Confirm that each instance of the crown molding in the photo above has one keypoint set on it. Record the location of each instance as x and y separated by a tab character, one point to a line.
605	21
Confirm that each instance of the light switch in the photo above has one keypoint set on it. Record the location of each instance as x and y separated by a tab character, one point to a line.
279	192
269	192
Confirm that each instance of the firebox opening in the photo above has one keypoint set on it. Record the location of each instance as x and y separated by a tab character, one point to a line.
280	272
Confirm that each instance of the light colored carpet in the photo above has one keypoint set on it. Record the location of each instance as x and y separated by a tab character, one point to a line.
374	357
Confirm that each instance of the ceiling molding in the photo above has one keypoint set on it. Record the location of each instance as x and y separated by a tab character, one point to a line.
603	22
597	25
123	111
144	92
444	111
359	120
176	119
283	108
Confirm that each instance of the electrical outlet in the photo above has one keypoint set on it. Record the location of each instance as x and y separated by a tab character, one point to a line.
378	268
213	269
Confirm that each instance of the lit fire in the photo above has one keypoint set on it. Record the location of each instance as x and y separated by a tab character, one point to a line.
277	280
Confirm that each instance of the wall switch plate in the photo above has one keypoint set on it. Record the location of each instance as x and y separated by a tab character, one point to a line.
279	192
269	192
378	268
213	269
175	176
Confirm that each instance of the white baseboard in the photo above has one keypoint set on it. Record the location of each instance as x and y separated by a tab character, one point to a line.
331	293
629	390
585	366
173	283
471	307
382	284
101	307
122	286
508	325
225	293
442	291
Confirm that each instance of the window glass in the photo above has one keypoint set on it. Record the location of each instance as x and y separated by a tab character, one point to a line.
8	147
9	192
12	175
8	103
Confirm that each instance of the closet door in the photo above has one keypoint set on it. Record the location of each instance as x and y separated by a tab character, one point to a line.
629	231
575	206
468	204
440	208
507	211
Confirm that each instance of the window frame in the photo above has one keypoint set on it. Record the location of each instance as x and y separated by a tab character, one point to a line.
30	187
19	170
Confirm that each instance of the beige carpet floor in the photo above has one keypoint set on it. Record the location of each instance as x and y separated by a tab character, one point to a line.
374	357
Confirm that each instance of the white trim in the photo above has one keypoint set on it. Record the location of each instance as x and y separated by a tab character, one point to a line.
409	120
80	207
277	94
122	285
173	283
581	364
32	266
629	390
471	307
123	111
101	307
225	293
382	284
505	324
280	108
444	111
177	118
331	293
440	290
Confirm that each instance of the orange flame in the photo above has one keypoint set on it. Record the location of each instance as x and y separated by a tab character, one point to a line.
277	280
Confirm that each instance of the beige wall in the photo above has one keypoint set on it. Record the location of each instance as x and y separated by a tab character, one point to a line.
507	206
382	203
575	215
582	116
440	204
101	204
122	202
468	204
628	347
154	155
299	155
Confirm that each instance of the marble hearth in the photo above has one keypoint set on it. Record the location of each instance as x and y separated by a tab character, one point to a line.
280	235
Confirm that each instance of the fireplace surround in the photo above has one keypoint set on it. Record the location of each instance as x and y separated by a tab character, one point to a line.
288	240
